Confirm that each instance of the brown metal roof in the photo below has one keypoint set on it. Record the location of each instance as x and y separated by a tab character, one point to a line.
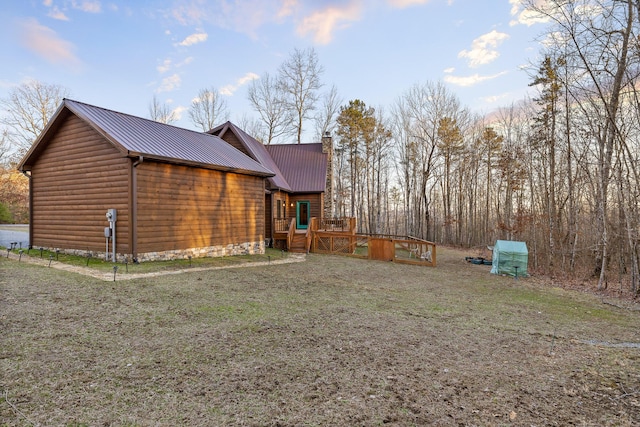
136	136
257	151
304	166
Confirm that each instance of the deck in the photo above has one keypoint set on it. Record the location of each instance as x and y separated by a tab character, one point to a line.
338	236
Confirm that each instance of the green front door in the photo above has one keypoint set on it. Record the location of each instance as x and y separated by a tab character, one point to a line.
302	214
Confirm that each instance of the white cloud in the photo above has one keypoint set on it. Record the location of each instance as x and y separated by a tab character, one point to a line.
170	83
449	70
495	98
288	8
323	23
90	6
471	80
526	16
401	4
187	13
56	13
194	39
46	43
230	89
47	3
165	66
483	49
319	20
177	112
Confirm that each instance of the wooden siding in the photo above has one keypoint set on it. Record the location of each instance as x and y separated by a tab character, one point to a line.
181	208
74	181
315	199
231	139
268	216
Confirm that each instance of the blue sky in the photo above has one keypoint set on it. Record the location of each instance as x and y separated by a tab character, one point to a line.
119	54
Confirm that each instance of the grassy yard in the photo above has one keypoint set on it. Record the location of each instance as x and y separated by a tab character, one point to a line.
328	341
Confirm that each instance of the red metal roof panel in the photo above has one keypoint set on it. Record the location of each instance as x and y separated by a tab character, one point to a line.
304	166
257	151
157	140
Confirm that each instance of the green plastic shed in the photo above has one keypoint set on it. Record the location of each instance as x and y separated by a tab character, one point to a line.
507	255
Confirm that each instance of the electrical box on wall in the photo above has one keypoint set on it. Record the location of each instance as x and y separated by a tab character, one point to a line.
110	234
111	215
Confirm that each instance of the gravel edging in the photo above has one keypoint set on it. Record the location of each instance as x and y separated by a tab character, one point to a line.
109	276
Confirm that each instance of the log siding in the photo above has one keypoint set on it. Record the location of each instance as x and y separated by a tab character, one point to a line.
315	200
179	208
74	181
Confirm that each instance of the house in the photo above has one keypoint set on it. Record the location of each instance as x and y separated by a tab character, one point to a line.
301	187
171	192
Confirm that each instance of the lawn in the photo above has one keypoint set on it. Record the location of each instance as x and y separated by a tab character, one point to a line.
328	341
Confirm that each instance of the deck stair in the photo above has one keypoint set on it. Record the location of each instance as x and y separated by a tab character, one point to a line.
298	244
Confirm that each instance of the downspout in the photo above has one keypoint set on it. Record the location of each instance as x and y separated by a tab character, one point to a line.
134	208
137	162
28	175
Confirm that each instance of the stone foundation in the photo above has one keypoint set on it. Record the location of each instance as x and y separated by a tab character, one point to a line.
248	248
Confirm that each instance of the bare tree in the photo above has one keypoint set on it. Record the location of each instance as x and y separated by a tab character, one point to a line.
356	126
267	98
326	117
419	111
5	147
450	145
599	38
253	127
161	112
299	78
27	111
208	109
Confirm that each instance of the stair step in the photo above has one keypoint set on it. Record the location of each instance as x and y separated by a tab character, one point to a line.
298	244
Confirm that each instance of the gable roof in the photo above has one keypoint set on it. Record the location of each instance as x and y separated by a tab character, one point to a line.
257	151
298	168
304	166
134	136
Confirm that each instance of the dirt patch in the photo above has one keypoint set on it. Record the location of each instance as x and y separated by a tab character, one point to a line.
328	341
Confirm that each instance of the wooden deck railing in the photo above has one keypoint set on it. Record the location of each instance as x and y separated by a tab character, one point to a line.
291	232
281	225
406	250
307	240
335	224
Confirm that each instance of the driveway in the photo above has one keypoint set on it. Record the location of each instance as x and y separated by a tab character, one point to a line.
10	233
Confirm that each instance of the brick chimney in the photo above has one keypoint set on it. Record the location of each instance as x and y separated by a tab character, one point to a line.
327	148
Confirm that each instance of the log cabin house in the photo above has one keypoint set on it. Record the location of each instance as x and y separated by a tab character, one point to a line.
171	192
301	188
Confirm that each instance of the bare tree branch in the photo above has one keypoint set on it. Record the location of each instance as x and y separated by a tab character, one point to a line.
28	109
208	109
161	112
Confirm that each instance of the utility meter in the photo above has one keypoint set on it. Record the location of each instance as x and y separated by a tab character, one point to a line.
110	234
111	215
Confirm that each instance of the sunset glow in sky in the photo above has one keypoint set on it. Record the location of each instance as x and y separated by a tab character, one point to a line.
118	54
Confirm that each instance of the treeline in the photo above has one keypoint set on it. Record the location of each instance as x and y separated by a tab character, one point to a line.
559	171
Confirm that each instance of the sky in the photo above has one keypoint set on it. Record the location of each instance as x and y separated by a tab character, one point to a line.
119	54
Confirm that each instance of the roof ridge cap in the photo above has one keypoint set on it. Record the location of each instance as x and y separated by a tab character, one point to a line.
67	100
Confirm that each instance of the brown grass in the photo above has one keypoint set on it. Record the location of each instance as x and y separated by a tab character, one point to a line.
330	341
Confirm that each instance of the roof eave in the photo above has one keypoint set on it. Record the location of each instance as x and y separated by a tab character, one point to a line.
181	162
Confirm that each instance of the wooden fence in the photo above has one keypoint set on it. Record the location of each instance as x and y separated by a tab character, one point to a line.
406	250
